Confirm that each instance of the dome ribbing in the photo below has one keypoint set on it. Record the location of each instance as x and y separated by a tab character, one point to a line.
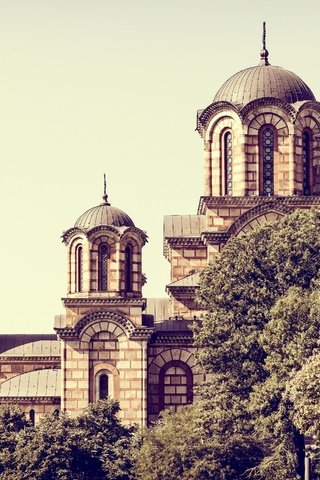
103	215
264	81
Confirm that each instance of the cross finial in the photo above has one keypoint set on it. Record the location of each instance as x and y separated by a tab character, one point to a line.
264	52
105	195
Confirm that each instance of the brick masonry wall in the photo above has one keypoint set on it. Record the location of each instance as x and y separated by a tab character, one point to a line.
159	357
105	346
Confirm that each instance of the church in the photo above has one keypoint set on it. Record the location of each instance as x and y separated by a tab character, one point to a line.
261	137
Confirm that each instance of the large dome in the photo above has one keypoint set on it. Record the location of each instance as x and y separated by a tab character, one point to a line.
103	215
261	81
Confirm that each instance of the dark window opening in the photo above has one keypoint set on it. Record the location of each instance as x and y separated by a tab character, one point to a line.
306	163
32	417
128	269
103	386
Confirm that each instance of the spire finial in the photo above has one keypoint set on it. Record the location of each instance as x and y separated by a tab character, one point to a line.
105	195
264	52
264	36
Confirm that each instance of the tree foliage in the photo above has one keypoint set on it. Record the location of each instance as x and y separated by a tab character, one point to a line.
262	297
180	446
12	422
93	446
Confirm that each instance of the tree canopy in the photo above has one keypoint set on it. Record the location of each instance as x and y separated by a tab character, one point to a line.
262	325
92	446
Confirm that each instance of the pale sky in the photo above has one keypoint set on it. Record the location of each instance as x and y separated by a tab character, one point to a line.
113	86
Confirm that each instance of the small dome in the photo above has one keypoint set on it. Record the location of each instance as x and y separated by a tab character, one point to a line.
103	214
261	81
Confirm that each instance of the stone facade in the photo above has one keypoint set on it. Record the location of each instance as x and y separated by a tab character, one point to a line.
261	137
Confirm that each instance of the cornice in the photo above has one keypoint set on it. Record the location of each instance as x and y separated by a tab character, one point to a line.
69	301
55	400
141	333
67	333
184	241
292	201
185	339
182	290
213	238
180	242
27	359
117	231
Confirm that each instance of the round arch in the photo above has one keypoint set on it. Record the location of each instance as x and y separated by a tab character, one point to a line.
256	216
95	322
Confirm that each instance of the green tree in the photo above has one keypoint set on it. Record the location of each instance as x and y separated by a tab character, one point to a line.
180	446
262	325
303	390
12	422
93	446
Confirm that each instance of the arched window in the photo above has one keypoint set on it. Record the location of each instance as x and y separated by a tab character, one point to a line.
128	268
306	163
79	269
176	385
56	413
103	268
227	163
32	417
267	142
104	387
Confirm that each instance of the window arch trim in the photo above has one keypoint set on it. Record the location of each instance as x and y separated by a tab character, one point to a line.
226	162
79	268
114	380
100	375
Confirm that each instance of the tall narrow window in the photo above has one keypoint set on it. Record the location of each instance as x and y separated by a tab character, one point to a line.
227	160
79	269
176	385
267	161
103	386
306	163
128	269
32	417
103	268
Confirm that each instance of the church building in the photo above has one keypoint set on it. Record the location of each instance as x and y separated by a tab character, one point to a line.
261	137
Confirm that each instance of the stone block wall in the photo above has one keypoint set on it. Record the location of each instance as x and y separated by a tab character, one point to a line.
186	260
160	358
105	346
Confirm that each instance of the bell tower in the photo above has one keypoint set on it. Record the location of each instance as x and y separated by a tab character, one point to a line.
103	338
261	137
